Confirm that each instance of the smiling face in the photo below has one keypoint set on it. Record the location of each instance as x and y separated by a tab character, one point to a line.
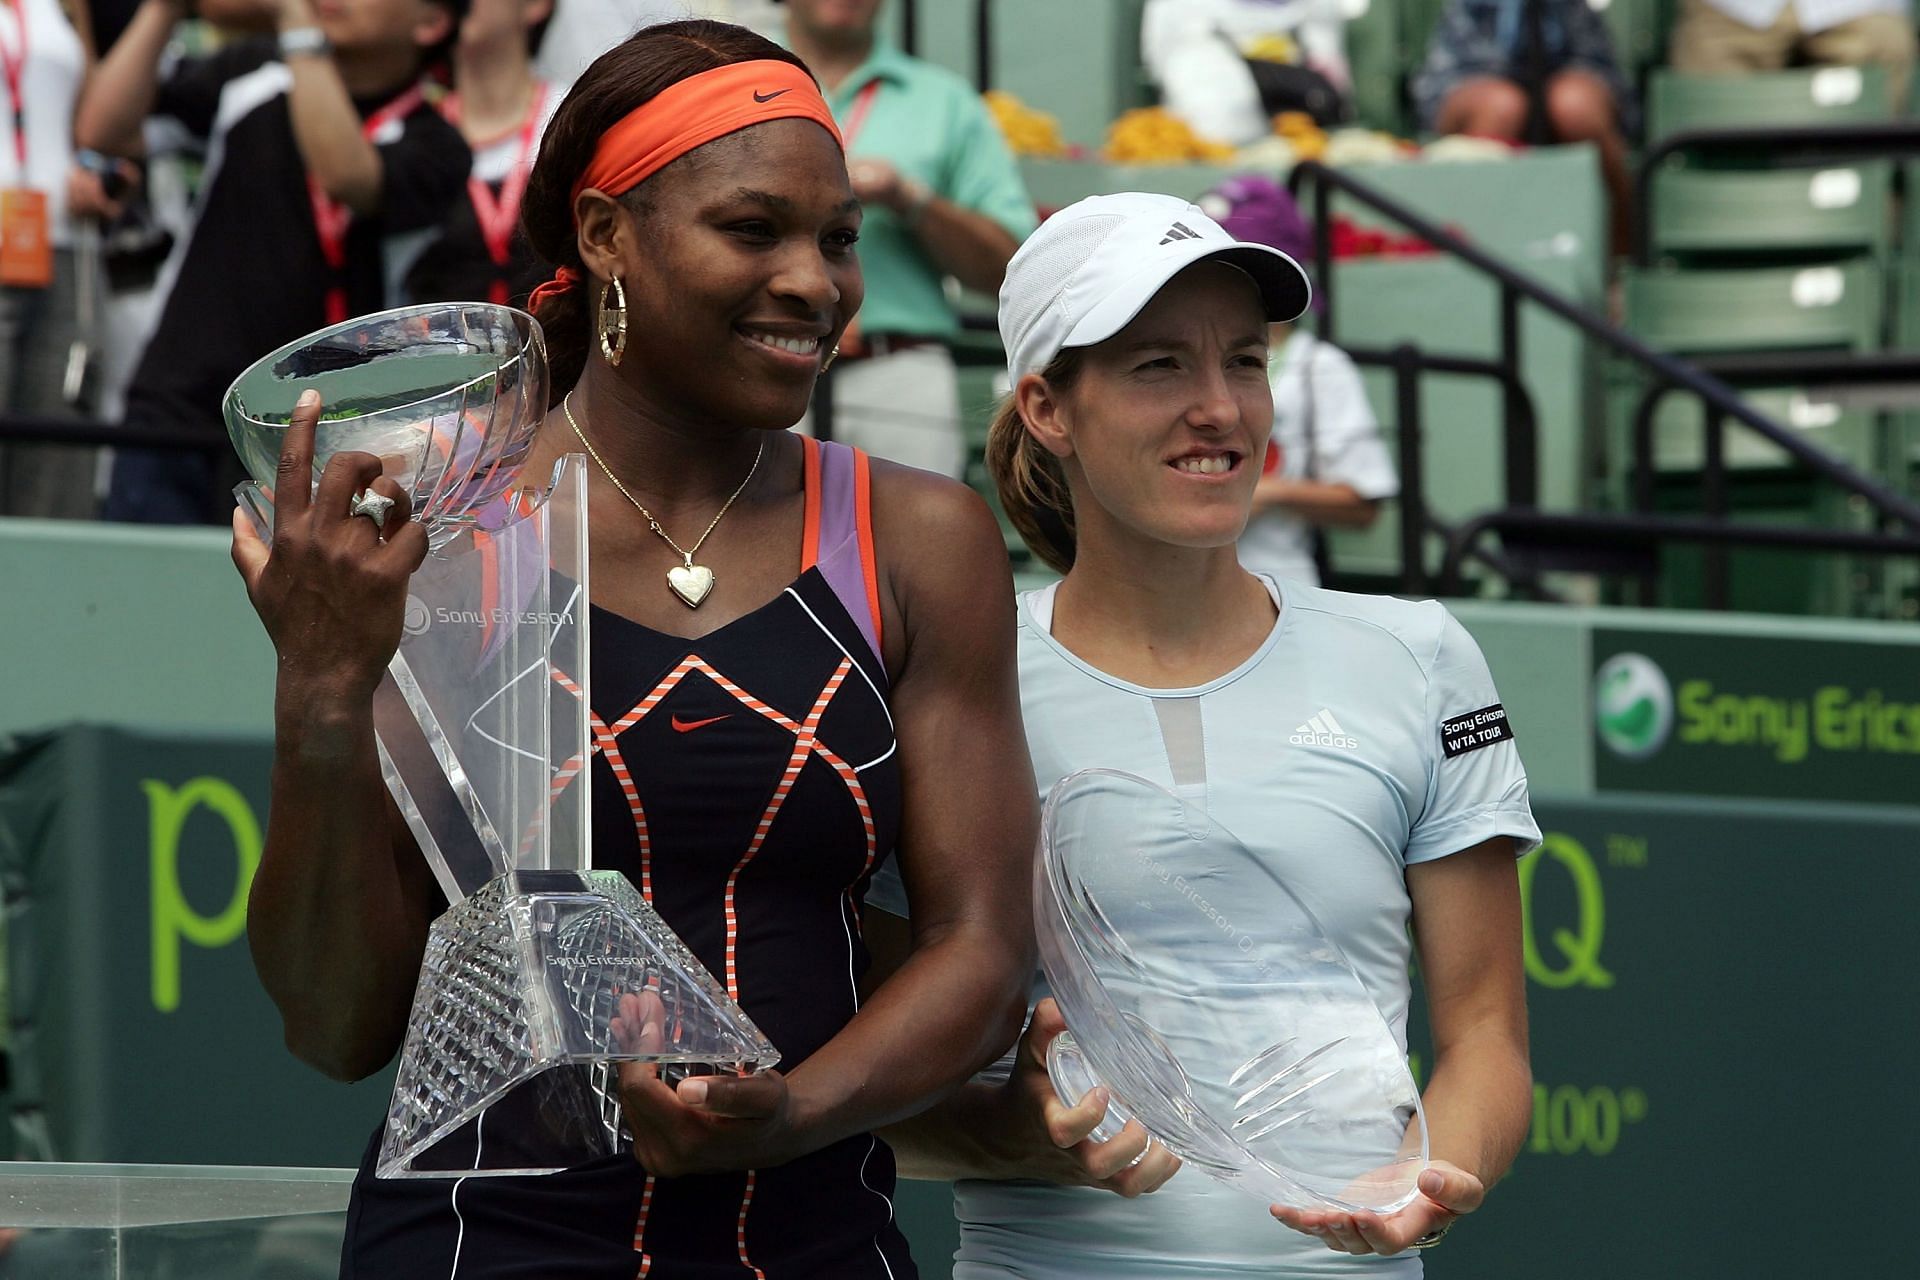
740	272
1160	433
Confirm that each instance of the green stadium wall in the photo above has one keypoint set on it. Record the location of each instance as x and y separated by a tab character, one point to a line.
1715	935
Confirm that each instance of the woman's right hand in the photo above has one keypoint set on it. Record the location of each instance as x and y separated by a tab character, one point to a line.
87	192
1055	1141
331	588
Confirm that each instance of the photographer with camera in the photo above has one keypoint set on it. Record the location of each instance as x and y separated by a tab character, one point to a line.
328	168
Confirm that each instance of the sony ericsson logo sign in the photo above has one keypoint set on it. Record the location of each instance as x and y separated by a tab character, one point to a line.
1632	705
418	617
1789	719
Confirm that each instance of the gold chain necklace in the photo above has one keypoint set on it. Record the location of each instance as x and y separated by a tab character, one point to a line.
691	582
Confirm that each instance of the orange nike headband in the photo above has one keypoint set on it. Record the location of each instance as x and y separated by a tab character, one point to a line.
697	110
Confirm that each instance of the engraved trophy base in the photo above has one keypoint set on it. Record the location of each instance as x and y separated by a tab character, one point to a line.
532	987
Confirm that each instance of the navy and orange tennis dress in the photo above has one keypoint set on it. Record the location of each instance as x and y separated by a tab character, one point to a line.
747	783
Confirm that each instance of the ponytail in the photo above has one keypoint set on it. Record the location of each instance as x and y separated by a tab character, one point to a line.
1032	487
562	314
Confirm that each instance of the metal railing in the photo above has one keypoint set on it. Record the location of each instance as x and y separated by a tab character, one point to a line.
1408	364
982	44
1594	540
31	428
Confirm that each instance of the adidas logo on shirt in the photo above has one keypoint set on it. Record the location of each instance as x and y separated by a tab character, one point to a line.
1179	231
1324	731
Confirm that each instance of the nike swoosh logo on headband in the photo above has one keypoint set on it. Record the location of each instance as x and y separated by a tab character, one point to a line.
769	97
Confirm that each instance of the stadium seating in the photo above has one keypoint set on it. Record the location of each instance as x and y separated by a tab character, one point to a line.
1828	306
1809	213
1810	95
1850	433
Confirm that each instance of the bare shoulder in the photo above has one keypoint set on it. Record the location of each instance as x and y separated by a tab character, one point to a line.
907	500
942	559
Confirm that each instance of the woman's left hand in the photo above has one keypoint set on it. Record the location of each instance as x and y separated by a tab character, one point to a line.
875	181
707	1124
1446	1192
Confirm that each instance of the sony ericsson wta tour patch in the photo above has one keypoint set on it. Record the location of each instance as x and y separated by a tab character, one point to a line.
1475	730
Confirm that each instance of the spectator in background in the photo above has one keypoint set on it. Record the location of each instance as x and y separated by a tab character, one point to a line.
943	198
1725	37
1490	61
501	106
323	153
1227	67
159	211
1326	465
47	191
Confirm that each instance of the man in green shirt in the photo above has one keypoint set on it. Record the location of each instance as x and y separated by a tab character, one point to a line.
943	198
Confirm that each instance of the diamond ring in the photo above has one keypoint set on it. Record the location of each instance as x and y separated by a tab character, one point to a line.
374	506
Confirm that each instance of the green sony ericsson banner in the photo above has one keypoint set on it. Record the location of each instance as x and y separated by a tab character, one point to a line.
1717	992
138	1030
1801	719
175	921
1720	997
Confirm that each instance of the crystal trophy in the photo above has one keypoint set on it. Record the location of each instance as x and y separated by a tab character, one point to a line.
1199	988
542	972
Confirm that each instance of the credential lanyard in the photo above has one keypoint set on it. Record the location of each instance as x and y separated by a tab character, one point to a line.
15	66
498	215
331	218
857	114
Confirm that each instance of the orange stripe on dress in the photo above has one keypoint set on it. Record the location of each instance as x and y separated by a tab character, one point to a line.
609	748
607	737
640	1230
863	521
805	744
605	744
810	530
839	766
489	585
740	1229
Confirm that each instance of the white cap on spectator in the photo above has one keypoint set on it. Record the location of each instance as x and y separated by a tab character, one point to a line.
1090	268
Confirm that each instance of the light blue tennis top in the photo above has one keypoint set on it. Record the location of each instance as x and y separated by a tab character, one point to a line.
1327	753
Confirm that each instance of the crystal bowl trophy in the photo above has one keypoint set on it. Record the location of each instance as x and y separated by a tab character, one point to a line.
1202	992
542	972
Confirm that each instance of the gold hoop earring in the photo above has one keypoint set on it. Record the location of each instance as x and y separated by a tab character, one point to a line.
831	357
613	321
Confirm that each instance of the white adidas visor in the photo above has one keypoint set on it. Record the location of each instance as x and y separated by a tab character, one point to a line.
1091	268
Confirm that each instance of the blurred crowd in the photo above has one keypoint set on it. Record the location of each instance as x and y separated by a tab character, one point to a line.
192	183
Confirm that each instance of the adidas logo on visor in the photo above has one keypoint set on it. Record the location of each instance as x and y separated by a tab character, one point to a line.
1324	731
1179	231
